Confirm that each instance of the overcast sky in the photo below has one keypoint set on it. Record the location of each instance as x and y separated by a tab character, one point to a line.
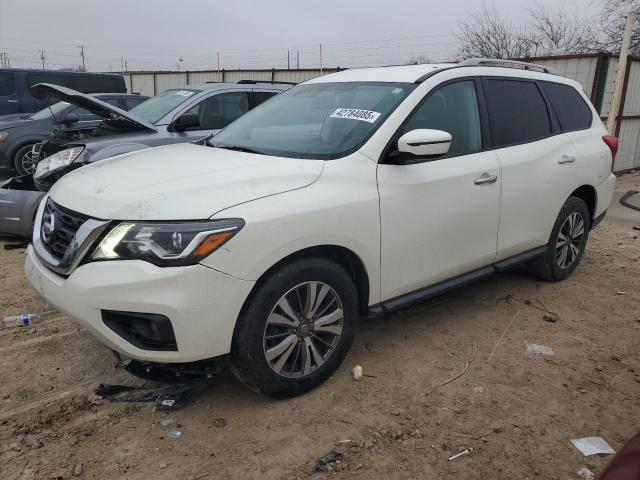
161	34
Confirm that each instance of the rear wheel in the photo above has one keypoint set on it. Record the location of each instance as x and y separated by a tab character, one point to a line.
23	160
567	242
296	328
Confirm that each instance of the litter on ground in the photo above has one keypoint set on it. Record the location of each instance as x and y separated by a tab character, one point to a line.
592	446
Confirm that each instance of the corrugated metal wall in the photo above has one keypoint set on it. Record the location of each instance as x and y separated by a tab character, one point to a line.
583	68
152	83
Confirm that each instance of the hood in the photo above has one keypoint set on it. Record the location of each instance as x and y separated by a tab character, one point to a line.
179	182
15	120
93	104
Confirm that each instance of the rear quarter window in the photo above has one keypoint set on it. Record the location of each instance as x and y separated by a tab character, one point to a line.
517	112
570	108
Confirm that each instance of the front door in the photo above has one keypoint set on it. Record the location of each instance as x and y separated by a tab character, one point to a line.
439	217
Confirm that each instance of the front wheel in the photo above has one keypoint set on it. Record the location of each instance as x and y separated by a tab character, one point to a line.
23	160
296	328
567	242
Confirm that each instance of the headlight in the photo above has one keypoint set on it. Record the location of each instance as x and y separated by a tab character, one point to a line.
166	244
3	136
56	161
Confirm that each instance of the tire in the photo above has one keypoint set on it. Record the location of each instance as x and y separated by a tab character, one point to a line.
264	328
552	265
22	160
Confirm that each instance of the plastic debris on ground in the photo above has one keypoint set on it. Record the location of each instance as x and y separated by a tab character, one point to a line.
167	397
20	320
543	349
461	454
585	473
323	464
592	446
357	373
167	421
174	434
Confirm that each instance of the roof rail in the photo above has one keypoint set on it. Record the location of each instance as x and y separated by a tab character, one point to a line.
496	62
273	82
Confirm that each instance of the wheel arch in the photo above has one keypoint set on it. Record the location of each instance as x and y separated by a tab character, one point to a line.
343	256
588	194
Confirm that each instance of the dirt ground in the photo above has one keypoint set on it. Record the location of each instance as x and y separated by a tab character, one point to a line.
518	411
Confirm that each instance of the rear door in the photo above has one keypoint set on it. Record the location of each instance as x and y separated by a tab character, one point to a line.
8	94
439	217
536	162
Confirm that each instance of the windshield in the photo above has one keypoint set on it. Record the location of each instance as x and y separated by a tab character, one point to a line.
324	120
155	108
56	108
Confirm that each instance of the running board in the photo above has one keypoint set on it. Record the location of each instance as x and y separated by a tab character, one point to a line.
417	296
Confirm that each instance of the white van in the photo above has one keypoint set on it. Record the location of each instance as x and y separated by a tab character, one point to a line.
355	193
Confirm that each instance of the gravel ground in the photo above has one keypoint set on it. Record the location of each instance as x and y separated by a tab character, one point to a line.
518	410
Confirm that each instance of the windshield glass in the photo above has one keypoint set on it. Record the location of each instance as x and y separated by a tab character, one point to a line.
155	108
56	108
324	120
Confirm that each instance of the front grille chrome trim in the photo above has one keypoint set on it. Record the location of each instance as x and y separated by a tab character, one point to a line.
82	241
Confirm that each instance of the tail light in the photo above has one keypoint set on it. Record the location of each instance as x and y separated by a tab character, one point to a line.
612	143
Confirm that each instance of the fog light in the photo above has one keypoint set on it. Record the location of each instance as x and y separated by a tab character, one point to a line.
147	331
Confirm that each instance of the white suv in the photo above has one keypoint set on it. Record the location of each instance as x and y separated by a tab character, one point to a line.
355	193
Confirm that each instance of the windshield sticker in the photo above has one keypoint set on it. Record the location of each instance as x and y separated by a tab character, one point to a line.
396	91
184	93
355	114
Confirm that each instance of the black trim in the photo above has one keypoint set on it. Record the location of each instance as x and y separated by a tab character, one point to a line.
420	144
427	76
596	221
422	294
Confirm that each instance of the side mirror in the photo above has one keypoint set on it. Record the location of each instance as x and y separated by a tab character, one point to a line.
69	118
424	142
188	120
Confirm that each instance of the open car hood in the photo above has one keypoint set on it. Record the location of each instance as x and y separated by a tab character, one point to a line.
93	104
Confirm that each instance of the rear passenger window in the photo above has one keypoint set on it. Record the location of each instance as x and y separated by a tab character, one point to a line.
570	108
260	97
517	112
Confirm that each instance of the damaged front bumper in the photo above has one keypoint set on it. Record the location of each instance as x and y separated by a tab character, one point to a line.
200	304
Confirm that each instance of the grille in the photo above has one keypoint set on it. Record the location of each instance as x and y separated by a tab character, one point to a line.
59	226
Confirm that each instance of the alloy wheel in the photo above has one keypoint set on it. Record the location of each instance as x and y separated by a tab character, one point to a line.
569	242
303	329
26	162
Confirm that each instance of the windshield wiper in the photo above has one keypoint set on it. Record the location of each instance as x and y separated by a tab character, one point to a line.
238	148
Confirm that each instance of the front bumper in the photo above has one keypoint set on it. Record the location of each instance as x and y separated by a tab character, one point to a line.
202	304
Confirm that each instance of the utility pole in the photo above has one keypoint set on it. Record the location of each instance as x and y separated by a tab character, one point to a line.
122	65
288	61
298	59
321	69
218	62
42	57
84	68
615	112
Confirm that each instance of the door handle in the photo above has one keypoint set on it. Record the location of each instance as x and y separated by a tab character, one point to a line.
485	178
566	159
12	101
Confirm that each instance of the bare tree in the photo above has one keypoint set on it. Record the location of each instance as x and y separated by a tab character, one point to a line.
612	19
419	60
488	34
548	32
557	32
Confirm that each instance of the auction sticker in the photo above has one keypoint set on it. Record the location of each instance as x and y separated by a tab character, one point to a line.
355	114
184	93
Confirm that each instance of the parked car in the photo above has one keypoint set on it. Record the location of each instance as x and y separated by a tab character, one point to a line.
21	133
15	83
355	193
174	116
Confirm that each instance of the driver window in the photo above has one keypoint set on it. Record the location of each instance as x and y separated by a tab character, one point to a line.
218	111
453	109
